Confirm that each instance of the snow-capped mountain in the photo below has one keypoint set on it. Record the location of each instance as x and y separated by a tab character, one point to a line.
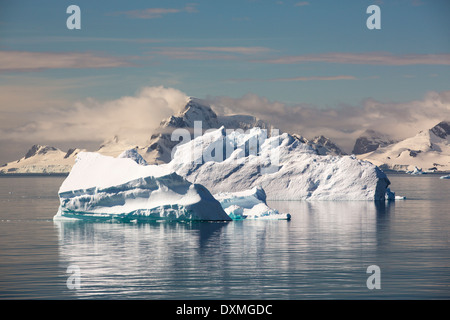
45	159
159	149
321	145
42	159
370	141
325	146
161	145
428	150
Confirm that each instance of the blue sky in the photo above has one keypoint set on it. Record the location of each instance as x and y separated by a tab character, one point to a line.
317	53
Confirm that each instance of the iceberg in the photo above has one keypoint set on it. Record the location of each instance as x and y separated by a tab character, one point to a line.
390	195
283	166
249	204
127	189
238	167
416	172
119	189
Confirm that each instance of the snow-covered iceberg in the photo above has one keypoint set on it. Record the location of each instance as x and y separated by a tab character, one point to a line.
249	204
106	188
285	168
416	172
127	189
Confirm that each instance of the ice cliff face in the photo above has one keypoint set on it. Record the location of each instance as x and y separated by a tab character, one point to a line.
284	167
103	187
127	189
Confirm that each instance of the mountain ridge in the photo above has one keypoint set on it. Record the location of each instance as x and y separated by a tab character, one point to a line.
159	148
427	150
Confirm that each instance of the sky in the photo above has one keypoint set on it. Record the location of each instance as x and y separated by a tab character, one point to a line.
309	67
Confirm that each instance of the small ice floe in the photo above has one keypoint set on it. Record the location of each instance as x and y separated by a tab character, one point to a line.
390	195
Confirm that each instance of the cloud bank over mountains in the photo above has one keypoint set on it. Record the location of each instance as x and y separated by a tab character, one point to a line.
344	123
129	116
135	117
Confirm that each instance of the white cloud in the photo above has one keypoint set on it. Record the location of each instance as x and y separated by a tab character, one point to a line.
370	58
209	53
129	117
32	61
135	117
317	78
154	13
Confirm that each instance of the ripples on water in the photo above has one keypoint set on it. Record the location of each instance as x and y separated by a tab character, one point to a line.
323	252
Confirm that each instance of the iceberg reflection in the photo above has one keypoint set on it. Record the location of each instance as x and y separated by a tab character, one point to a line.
325	247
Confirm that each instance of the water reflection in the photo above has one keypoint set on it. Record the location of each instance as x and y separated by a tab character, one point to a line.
325	247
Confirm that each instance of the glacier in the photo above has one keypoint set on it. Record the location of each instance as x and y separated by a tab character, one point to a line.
283	166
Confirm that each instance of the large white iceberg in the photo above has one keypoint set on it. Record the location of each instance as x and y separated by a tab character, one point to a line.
127	189
238	167
284	167
102	187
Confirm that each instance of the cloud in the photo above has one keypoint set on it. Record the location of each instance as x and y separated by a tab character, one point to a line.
344	123
370	58
209	53
294	79
80	39
130	117
33	61
317	78
135	117
155	13
237	50
301	4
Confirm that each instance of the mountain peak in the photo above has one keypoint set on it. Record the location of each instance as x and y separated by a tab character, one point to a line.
442	129
324	146
427	150
370	140
194	110
38	149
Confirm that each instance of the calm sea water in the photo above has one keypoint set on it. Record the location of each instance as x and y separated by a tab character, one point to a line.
322	253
